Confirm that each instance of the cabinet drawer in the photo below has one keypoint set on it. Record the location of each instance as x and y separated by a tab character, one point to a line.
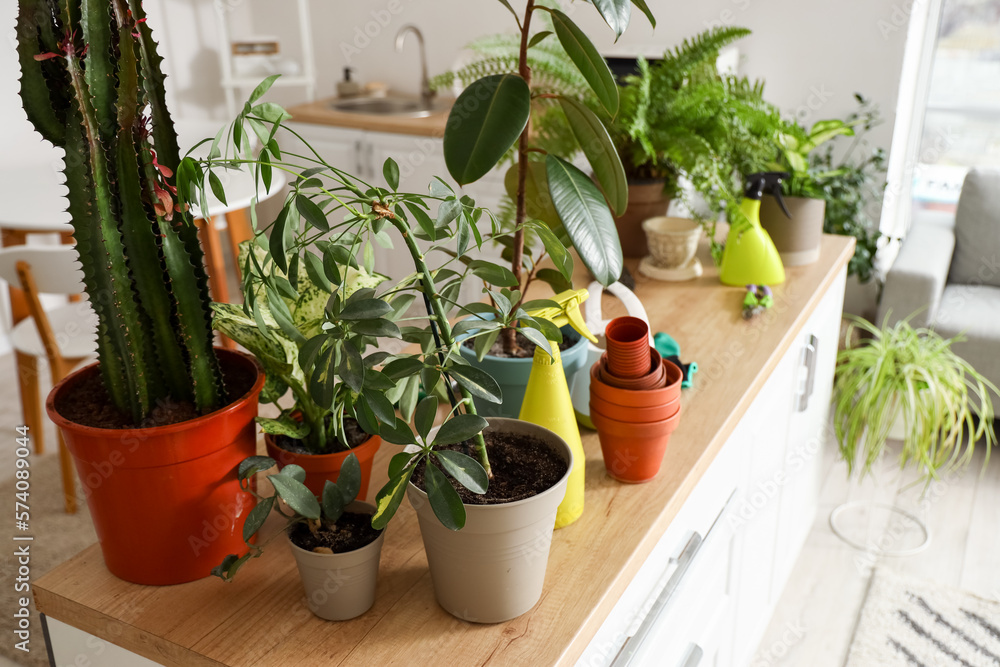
699	566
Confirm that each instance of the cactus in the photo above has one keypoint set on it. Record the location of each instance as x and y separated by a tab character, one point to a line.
89	72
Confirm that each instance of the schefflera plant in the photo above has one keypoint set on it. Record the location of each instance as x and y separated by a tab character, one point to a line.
91	84
494	113
329	219
302	506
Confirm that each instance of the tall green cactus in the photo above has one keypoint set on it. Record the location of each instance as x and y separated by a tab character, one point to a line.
91	83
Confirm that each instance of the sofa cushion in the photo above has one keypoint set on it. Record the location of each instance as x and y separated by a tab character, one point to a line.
973	310
977	230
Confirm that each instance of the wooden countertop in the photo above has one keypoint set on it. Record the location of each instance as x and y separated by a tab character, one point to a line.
261	618
321	112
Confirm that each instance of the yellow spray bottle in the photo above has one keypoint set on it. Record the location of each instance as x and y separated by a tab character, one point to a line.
547	400
750	257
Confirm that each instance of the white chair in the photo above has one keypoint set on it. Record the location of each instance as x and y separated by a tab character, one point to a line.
65	335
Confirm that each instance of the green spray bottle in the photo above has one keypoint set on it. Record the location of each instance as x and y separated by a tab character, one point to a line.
750	256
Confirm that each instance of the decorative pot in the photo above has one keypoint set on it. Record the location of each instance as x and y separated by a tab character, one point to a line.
322	467
633	453
672	241
493	569
797	238
646	199
639	398
165	501
340	586
512	374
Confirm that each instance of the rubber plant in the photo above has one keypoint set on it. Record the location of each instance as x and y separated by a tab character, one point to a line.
552	197
91	84
325	232
902	373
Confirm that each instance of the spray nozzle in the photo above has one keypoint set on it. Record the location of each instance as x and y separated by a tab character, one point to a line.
567	311
768	182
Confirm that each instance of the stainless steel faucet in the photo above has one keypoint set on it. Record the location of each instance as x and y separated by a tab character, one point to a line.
426	93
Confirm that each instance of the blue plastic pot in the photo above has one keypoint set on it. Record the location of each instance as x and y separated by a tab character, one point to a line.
512	374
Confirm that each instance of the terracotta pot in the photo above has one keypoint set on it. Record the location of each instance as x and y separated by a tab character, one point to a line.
655	379
646	199
641	399
633	453
493	569
322	467
340	586
165	501
627	344
797	238
633	414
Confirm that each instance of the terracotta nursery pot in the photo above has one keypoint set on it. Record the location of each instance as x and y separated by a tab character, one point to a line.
797	238
340	586
322	467
493	569
654	379
633	452
640	399
630	413
627	347
165	501
645	200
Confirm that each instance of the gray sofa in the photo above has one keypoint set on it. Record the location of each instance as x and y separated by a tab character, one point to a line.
949	265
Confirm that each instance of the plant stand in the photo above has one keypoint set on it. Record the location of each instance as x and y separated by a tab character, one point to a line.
912	525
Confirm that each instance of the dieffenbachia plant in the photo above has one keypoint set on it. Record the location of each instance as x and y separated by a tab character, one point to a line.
306	420
302	506
329	220
554	200
91	84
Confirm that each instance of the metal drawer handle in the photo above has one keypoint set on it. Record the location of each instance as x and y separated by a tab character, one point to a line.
631	646
812	348
693	656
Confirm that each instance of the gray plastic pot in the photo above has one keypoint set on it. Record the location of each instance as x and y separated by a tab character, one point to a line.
340	586
797	238
493	569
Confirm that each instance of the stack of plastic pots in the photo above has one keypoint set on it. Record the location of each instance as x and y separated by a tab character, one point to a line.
635	402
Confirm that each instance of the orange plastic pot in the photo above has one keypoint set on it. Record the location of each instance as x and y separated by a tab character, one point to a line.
654	379
628	347
633	414
640	399
322	467
633	453
165	501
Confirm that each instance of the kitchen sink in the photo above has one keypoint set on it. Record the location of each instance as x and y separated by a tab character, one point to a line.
389	106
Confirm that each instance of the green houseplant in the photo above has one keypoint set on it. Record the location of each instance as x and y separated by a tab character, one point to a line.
91	84
302	434
555	204
331	536
912	376
680	118
797	236
328	221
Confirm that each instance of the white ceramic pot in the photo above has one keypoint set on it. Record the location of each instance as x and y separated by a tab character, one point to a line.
493	569
340	586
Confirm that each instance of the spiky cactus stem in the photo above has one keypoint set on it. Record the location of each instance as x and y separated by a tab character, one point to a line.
89	68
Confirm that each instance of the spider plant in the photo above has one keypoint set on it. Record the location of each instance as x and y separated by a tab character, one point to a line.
911	374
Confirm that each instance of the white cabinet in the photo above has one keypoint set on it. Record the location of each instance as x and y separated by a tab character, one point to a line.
707	591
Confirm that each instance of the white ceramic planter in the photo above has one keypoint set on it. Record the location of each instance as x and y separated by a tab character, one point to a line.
340	586
493	569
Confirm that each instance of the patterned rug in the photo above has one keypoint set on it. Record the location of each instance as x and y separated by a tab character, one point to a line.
920	624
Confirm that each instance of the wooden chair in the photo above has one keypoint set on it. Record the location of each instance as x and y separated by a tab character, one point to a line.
65	336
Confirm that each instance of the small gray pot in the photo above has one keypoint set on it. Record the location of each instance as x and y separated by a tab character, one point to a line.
340	586
797	238
493	569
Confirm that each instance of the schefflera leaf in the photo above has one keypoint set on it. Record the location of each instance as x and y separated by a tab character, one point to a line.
485	121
